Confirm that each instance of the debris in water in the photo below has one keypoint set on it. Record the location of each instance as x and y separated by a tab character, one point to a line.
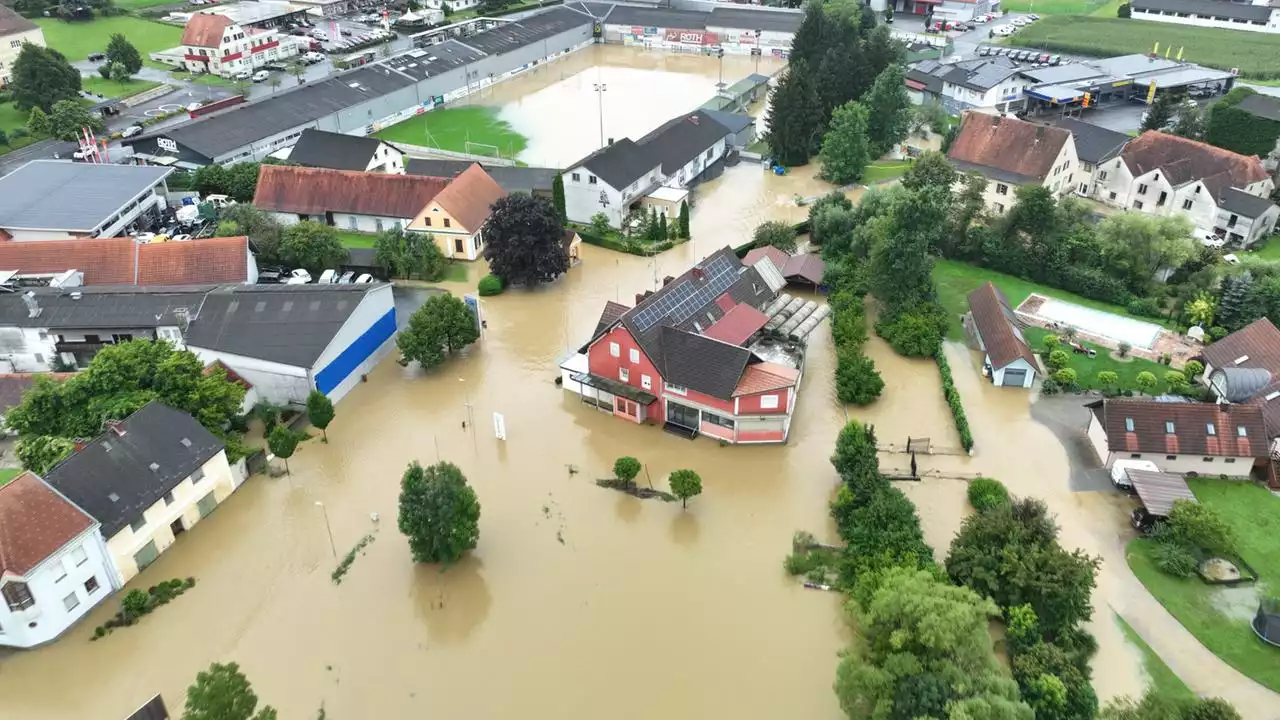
560	535
817	586
546	511
573	470
635	490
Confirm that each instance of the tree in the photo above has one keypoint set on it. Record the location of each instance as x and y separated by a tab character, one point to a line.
626	468
275	83
857	380
282	442
524	240
794	116
1201	528
311	245
39	453
1108	379
683	229
1190	123
119	380
1158	705
831	216
775	233
557	197
1160	112
4	138
932	169
901	267
404	254
69	117
297	70
1146	382
1137	246
1058	359
320	411
262	230
685	484
439	513
223	693
120	51
845	148
442	326
1200	311
889	108
856	460
882	531
662	227
38	122
42	77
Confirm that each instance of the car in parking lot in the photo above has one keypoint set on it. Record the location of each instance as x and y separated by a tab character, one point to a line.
95	56
312	57
1055	59
1019	22
1003	30
1033	17
261	76
131	131
1043	58
984	50
243	75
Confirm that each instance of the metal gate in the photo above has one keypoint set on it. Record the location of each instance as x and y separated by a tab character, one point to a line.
146	555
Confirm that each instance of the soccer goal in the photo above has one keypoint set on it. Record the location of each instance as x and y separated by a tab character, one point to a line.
475	148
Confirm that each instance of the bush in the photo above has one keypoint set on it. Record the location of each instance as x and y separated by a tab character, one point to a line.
1049	387
1174	559
1108	379
1065	376
912	334
135	603
626	468
952	396
1193	369
857	380
1124	349
1050	343
1217	332
490	285
1124	11
1144	307
1176	381
1200	527
986	493
1058	359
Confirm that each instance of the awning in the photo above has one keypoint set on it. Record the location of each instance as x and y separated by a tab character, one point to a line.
614	387
1055	93
1159	491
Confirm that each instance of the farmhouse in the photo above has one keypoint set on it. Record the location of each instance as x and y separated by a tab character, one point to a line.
351	200
1011	152
1095	145
1009	361
336	151
454	216
1179	436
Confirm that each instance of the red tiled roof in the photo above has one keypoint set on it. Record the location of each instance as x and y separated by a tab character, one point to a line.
1183	160
765	376
469	196
210	260
1007	144
205	30
1258	342
35	522
738	325
805	266
13	386
778	257
110	261
997	327
232	375
316	191
104	261
1191	423
612	311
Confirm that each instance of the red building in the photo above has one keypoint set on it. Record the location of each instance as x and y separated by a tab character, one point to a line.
694	356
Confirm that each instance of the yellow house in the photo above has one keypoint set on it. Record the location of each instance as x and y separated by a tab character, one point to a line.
456	215
14	31
147	479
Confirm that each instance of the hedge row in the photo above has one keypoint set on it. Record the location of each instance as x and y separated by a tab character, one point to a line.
952	396
625	245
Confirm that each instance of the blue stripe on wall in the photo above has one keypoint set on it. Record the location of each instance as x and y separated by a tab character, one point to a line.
357	352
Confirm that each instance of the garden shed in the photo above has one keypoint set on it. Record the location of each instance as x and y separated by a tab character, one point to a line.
1009	361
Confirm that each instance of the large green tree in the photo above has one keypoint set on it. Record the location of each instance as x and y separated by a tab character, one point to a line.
795	116
41	77
223	693
320	412
856	460
890	110
775	233
831	218
845	147
409	255
557	197
39	453
1160	113
439	513
901	264
1157	705
1137	246
442	326
931	169
524	240
312	245
68	118
262	230
122	52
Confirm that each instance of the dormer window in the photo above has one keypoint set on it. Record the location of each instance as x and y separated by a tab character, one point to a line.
1168	427
1128	424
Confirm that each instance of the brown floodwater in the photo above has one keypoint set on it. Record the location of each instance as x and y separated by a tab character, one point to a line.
578	602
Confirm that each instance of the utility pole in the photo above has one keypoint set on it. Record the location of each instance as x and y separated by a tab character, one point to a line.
471	415
332	545
720	71
600	89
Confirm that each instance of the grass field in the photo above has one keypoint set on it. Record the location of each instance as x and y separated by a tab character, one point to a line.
1087	368
1270	251
1255	54
1055	7
77	39
883	170
451	128
10	119
142	4
1255	515
353	239
1162	678
202	78
113	89
7	474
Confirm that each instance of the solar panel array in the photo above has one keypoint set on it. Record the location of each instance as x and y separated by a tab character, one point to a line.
686	298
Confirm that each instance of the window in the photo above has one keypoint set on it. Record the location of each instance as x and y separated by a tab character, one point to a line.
39	359
198	475
1135	456
15	43
426	221
634	355
447	222
646	382
1128	424
1170	457
1242	431
768	402
91	585
1102	175
624	375
999	207
614	350
677	389
591	179
138	524
1186	204
1002	189
79	556
62	574
1229	460
71	602
168	498
1208	459
715	419
1137	204
1231	221
1210	429
1142	189
1156	177
377	224
1112	196
1168	427
17	595
1163	196
1198	189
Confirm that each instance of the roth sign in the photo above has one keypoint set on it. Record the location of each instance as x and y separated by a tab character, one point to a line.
692	37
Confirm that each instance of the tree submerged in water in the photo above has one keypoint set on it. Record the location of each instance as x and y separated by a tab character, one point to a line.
439	512
223	693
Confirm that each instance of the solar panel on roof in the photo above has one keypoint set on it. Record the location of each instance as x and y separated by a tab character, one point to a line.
682	301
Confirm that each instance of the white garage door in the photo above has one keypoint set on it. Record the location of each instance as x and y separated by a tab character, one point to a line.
1014	378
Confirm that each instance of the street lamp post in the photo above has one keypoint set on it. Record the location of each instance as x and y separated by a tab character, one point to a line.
471	415
600	88
720	71
332	546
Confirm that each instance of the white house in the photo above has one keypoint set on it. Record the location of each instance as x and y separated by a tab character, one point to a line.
54	563
59	199
1179	436
216	44
990	84
349	200
1256	15
1219	191
1008	360
14	31
1011	152
455	217
336	151
614	179
1095	147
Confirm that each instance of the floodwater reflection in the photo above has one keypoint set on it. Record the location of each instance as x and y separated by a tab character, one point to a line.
451	601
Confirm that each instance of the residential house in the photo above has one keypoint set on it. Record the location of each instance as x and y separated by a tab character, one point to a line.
1095	146
804	269
1008	360
987	84
217	44
146	480
1256	15
124	261
537	181
456	215
742	128
1244	368
54	564
1011	152
616	178
336	151
1219	191
348	200
950	10
1179	436
687	356
14	31
59	199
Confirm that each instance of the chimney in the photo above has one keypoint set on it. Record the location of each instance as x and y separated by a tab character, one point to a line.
667	280
80	444
693	119
640	297
699	274
117	427
33	308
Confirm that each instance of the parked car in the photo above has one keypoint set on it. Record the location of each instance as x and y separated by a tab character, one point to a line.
982	19
1033	17
984	50
312	57
1209	239
298	276
364	279
1019	22
131	131
1002	30
328	277
347	277
181	237
261	76
242	75
1044	58
97	57
1055	59
219	201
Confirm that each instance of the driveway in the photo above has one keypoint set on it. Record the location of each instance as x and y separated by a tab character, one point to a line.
1067	417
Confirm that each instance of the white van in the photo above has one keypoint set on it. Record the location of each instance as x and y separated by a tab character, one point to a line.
1120	471
328	277
261	76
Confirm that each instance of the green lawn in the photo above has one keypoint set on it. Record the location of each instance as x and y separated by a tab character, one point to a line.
112	89
884	170
7	474
1087	368
353	239
11	119
1053	7
1163	680
202	78
451	128
1255	515
77	39
1269	251
1252	52
142	4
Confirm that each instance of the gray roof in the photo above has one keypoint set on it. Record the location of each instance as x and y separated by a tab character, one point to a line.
1237	384
506	37
995	173
287	324
1242	203
11	23
701	363
594	9
619	164
658	17
671	145
121	474
103	306
511	179
421	63
318	148
63	195
733	122
932	83
744	19
1263	106
1094	144
1219	8
980	74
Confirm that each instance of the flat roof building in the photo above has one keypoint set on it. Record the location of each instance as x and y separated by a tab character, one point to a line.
58	199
